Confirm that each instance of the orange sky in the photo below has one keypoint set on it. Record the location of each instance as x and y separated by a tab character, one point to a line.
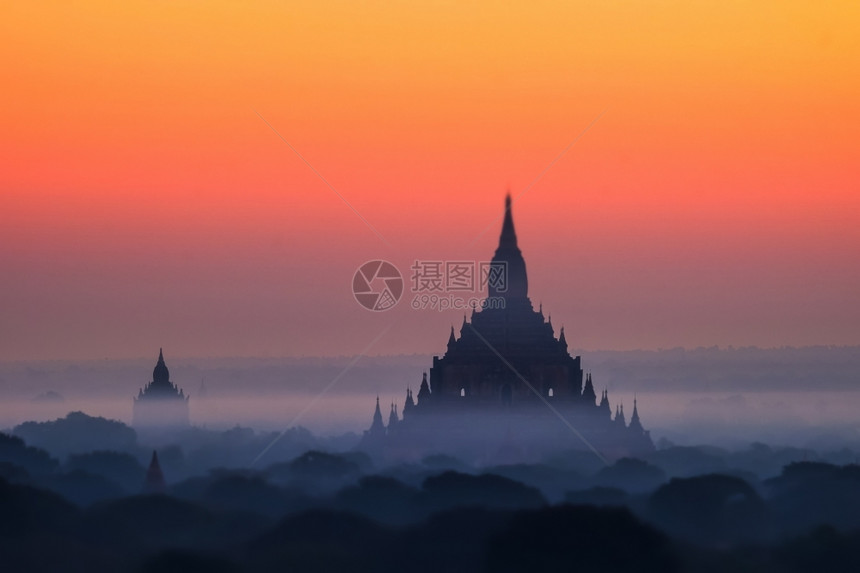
145	204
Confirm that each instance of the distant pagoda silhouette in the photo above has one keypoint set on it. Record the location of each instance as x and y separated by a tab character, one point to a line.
507	378
161	403
154	481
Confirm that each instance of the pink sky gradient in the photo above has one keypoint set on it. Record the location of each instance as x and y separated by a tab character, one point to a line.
143	203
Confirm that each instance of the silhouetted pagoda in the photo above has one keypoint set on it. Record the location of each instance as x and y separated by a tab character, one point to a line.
507	380
161	403
154	481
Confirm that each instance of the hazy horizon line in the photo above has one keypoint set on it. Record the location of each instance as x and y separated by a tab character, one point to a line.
573	350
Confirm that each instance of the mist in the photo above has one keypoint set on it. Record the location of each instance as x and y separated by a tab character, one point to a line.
800	397
753	448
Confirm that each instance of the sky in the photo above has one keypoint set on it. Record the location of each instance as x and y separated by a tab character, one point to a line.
207	176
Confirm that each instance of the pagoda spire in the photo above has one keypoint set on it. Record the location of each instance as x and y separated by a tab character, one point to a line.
619	416
515	284
409	403
377	427
154	482
508	239
424	390
160	374
635	423
605	409
392	417
588	394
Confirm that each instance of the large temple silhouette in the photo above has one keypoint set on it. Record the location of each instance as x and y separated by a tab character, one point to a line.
506	385
161	403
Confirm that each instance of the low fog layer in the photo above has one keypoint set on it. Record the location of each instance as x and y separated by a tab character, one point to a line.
804	397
